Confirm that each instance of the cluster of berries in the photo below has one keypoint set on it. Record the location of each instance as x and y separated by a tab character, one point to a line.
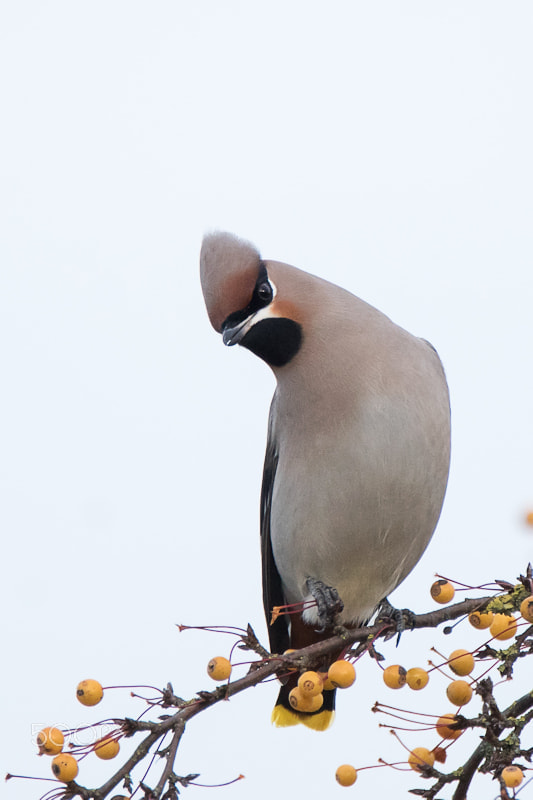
307	696
459	691
51	741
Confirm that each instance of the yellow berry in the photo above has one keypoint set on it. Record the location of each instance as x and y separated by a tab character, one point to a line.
442	591
106	748
459	693
526	608
310	683
461	662
529	518
50	741
512	776
443	727
421	757
219	668
395	676
89	692
341	674
300	702
346	775
480	619
65	767
417	678
503	627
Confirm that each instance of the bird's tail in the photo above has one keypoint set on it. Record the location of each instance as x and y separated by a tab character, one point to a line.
284	715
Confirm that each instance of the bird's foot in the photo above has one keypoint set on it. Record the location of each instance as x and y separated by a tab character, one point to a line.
328	603
398	619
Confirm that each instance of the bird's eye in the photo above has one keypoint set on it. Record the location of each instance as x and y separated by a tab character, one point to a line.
264	292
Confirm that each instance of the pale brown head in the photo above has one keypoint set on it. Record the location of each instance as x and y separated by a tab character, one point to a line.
229	268
243	302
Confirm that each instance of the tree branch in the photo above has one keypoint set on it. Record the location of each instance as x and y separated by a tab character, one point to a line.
495	752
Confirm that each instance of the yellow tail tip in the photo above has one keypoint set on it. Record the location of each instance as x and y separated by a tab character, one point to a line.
285	717
318	722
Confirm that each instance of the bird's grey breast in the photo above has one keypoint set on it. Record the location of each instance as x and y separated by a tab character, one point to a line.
362	470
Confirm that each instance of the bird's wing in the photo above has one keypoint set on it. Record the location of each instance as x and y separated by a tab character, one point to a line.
272	589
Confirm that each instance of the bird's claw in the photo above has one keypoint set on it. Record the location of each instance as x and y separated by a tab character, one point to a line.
328	603
398	619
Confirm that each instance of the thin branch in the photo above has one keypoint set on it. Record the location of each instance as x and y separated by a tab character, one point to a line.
468	771
170	758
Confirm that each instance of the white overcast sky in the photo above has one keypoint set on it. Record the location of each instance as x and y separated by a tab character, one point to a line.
386	146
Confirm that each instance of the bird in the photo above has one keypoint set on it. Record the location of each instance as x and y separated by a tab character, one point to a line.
358	445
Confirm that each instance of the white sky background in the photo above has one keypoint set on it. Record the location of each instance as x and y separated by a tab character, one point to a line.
384	146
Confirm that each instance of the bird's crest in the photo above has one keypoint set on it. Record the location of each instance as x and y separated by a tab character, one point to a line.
229	267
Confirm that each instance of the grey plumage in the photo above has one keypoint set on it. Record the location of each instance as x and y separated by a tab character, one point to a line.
359	431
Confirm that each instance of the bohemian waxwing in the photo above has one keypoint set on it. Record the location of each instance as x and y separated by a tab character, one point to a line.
358	444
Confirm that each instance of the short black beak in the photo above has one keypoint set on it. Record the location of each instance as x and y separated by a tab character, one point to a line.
232	334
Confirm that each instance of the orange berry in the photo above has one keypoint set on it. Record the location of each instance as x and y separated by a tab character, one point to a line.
301	702
310	683
65	767
395	676
421	757
461	662
459	693
50	741
503	627
346	775
289	651
89	692
526	608
443	727
480	619
219	668
442	591
417	678
341	674
512	776
529	518
106	748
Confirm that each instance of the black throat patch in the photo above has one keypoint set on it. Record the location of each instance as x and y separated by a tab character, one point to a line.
275	340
